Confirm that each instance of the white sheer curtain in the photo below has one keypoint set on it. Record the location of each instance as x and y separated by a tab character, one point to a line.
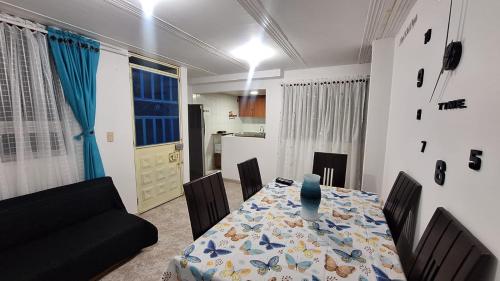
323	116
37	149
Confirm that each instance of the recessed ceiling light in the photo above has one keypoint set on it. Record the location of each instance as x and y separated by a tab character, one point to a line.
148	6
254	52
254	92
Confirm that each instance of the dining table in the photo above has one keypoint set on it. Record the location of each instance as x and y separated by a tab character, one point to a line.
267	239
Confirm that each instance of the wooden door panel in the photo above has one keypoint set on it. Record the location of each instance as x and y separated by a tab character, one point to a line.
158	175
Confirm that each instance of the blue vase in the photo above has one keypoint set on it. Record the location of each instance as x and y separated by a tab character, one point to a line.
310	197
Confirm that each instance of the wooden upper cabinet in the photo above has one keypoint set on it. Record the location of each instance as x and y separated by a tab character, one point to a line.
245	106
260	106
252	106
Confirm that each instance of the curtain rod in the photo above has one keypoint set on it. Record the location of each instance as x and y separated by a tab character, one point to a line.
327	81
22	23
41	28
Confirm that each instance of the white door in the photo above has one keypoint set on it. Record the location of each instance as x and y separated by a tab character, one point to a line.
157	125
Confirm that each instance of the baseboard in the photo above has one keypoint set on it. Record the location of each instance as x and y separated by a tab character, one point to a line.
231	180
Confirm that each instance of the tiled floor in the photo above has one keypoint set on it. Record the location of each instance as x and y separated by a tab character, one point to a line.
174	231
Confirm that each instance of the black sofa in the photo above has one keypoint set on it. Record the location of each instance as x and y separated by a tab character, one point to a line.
72	232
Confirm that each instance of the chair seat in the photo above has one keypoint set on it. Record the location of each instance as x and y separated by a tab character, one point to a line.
80	251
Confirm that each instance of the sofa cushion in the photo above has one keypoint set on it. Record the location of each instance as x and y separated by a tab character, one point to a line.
35	215
80	251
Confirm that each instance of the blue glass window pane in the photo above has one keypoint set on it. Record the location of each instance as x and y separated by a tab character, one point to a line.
156	87
156	108
146	84
149	132
136	83
139	137
175	96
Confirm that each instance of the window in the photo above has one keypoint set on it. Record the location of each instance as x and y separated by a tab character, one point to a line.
156	104
37	149
28	108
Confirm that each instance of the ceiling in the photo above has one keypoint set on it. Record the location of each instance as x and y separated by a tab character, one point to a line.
200	34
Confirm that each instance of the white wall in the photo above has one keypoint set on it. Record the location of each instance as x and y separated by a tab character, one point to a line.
267	150
377	115
471	196
114	114
184	92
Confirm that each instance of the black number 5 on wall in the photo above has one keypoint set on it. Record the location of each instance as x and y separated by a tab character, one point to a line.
474	160
439	172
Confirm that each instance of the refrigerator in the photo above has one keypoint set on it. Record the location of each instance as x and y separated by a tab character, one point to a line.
196	133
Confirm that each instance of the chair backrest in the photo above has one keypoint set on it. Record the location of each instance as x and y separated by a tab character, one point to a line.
400	211
250	179
448	251
207	202
331	167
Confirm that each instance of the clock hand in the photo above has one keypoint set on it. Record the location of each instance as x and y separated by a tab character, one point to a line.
448	28
445	45
435	86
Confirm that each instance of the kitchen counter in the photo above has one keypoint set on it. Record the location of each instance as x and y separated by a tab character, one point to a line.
238	149
251	134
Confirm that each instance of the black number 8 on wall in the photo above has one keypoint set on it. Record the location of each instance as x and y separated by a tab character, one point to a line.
474	164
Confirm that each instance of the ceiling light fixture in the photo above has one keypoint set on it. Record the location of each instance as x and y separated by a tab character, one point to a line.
254	92
148	7
253	52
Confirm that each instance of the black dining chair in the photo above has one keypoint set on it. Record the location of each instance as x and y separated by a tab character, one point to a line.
207	202
448	251
400	211
250	179
331	167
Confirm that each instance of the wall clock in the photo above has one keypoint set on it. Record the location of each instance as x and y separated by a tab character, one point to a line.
451	59
452	53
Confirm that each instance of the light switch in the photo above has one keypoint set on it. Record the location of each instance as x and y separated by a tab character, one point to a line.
110	136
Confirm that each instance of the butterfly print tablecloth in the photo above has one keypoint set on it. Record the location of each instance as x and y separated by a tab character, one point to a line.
266	239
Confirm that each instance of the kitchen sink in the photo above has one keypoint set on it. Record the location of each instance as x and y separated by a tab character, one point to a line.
251	134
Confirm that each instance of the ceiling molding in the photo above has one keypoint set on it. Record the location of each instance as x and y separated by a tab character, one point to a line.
255	9
163	24
400	11
106	39
262	74
384	19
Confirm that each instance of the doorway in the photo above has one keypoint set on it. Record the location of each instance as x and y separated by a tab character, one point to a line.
157	138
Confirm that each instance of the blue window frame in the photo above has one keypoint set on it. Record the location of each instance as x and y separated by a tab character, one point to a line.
156	108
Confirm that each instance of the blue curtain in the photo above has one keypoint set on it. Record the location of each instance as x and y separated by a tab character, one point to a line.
76	58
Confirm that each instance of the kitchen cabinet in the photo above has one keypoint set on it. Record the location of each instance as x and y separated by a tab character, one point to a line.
252	106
